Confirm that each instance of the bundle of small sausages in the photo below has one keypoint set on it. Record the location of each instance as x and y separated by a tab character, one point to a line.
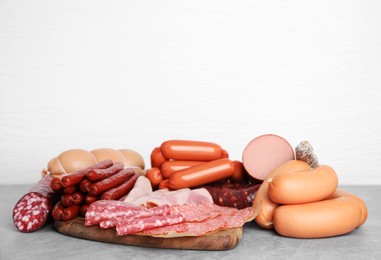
105	180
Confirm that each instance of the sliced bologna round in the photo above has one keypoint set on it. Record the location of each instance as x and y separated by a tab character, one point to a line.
265	153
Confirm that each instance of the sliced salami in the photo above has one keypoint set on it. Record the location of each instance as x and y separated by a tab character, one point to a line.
125	226
156	211
31	212
103	210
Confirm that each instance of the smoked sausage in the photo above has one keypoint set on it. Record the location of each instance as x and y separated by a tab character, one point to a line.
202	174
100	174
335	216
184	150
295	187
262	203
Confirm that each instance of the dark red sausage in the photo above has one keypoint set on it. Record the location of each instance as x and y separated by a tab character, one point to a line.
78	198
69	190
121	190
67	199
83	210
75	178
110	182
55	184
71	212
90	199
234	195
57	211
100	174
84	186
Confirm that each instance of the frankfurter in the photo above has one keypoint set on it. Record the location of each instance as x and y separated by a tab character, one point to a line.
295	187
239	175
100	174
110	182
262	203
169	167
338	215
157	158
154	176
184	150
120	190
202	174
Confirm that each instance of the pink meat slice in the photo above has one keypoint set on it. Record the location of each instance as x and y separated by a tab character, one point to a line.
156	211
103	210
125	226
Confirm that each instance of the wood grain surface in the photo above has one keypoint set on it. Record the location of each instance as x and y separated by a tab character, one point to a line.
221	240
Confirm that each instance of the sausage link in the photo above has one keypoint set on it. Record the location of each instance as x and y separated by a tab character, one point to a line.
202	174
191	150
70	189
75	178
295	187
67	199
239	175
83	210
78	198
57	211
154	176
326	218
164	184
84	186
110	182
121	190
70	212
55	184
262	203
100	174
157	158
90	199
169	167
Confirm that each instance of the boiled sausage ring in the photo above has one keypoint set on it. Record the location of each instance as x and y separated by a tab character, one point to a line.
339	214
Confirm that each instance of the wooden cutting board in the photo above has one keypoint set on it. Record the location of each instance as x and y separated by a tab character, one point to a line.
221	240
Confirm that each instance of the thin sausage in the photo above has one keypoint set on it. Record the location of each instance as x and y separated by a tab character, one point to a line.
67	199
90	199
71	212
110	182
70	189
83	210
202	174
191	150
157	158
239	175
78	198
326	218
84	186
57	211
55	184
295	187
169	167
262	203
121	190
100	174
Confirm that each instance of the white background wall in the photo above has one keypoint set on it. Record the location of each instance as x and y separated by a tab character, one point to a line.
132	74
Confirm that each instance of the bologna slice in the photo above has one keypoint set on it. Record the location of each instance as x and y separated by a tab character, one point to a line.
265	153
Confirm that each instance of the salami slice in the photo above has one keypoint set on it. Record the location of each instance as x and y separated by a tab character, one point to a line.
103	210
31	212
156	211
125	226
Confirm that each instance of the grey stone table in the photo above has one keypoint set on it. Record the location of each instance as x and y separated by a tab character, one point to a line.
256	243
